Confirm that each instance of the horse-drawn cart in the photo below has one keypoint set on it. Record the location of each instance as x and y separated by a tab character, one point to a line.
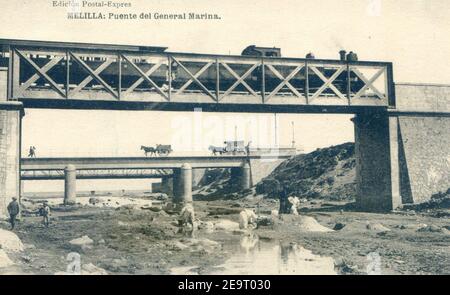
160	150
231	147
163	149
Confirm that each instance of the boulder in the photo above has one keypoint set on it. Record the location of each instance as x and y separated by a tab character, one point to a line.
264	221
151	208
4	259
9	241
433	229
162	197
83	241
86	269
303	223
94	201
410	226
207	226
123	224
91	269
194	245
177	246
225	224
129	207
377	227
338	226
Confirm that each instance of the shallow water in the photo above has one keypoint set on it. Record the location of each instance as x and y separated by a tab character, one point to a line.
252	256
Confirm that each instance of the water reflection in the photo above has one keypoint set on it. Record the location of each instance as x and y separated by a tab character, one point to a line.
252	256
248	243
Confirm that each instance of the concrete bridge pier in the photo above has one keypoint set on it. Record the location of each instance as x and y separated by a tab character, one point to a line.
167	186
373	162
182	184
10	129
245	177
242	176
70	185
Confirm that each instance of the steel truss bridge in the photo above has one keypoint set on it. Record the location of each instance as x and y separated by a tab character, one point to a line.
77	75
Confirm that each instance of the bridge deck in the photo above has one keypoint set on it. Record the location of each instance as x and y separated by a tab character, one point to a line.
142	162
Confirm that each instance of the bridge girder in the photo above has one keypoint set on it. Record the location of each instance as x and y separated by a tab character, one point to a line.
96	174
69	74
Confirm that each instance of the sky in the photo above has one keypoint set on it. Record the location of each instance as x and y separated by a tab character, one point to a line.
411	34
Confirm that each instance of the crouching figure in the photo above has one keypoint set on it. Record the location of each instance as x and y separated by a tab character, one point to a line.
247	217
295	202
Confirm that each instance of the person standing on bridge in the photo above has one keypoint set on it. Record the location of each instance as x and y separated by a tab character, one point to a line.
32	152
13	211
247	148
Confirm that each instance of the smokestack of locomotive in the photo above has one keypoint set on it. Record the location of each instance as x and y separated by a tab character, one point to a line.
343	56
351	56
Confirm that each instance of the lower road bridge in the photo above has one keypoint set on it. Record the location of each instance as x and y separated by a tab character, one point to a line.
96	174
178	174
134	162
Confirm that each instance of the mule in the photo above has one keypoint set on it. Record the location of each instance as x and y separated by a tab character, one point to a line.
216	149
148	149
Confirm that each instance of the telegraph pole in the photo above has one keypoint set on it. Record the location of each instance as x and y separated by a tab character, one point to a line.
235	139
293	134
276	130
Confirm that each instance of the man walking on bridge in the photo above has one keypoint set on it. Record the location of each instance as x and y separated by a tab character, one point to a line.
32	152
247	148
13	210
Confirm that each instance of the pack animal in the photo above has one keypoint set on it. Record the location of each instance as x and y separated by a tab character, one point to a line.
187	217
148	149
216	149
247	217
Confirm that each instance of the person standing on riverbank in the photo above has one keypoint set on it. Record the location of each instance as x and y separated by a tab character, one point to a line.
45	213
13	211
285	206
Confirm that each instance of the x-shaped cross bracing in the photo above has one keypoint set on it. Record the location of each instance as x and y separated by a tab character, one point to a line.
328	82
194	78
284	81
368	83
41	72
144	76
93	74
239	79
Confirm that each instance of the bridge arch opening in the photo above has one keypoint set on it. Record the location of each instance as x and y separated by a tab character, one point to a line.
115	134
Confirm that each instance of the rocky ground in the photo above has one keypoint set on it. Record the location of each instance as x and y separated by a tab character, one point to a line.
139	234
327	173
132	240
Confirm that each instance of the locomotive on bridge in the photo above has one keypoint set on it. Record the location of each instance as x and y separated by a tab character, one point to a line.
179	75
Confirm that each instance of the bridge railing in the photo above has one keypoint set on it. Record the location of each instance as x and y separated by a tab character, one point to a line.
37	72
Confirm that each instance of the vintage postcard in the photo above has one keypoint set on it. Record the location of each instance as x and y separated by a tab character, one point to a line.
177	137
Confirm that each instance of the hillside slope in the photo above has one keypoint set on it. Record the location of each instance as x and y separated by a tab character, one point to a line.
327	173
